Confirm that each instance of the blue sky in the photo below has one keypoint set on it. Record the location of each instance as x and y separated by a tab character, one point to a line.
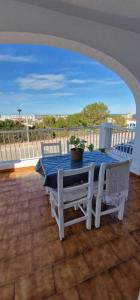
48	80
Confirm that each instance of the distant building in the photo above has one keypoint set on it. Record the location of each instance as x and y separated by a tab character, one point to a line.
60	116
16	117
130	120
39	117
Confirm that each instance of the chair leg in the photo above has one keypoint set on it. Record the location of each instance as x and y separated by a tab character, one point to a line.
61	223
121	210
75	207
51	202
98	213
89	215
46	191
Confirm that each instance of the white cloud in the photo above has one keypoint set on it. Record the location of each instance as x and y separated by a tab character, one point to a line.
58	81
41	82
13	58
78	81
62	94
87	62
96	81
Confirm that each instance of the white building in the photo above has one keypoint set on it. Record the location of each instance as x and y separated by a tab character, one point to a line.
16	117
131	120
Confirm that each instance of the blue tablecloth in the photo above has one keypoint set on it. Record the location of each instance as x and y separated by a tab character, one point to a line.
48	167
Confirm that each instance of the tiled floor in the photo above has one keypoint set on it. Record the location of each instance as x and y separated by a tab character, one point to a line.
34	265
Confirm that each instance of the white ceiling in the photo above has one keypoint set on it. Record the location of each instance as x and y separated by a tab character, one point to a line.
129	8
110	26
123	14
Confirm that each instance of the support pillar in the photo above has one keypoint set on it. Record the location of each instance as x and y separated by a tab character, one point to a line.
105	135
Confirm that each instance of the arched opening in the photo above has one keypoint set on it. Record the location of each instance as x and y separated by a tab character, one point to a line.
123	72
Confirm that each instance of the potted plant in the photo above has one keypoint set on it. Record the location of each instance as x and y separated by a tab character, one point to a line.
79	147
102	150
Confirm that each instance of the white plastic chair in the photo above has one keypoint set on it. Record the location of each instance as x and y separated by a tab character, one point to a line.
112	190
68	147
76	196
51	149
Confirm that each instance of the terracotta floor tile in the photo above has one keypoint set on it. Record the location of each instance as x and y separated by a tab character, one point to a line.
48	254
137	256
56	297
100	259
15	246
131	269
72	245
70	294
13	268
3	209
70	272
79	227
18	218
96	237
17	207
7	292
107	232
76	244
122	228
2	232
134	205
96	264
15	230
124	247
45	235
99	288
39	221
126	282
37	286
136	235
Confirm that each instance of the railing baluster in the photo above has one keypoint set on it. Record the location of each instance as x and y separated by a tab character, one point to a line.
22	144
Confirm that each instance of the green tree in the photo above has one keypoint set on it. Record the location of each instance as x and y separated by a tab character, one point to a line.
75	120
61	123
11	125
119	120
47	122
95	113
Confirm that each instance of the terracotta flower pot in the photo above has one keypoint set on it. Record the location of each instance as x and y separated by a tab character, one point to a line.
76	154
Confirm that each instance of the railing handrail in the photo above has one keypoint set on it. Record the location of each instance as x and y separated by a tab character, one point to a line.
123	128
65	129
25	143
49	129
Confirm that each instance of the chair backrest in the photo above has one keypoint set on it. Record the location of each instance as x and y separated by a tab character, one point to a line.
48	149
68	147
88	186
114	178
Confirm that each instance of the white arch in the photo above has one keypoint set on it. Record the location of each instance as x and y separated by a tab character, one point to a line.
122	71
40	39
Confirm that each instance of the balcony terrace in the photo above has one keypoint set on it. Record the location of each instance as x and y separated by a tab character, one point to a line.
34	264
87	265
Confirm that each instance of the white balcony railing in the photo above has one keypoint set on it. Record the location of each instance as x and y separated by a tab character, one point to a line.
122	141
25	144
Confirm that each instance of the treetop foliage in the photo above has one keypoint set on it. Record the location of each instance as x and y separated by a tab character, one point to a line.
93	114
11	125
